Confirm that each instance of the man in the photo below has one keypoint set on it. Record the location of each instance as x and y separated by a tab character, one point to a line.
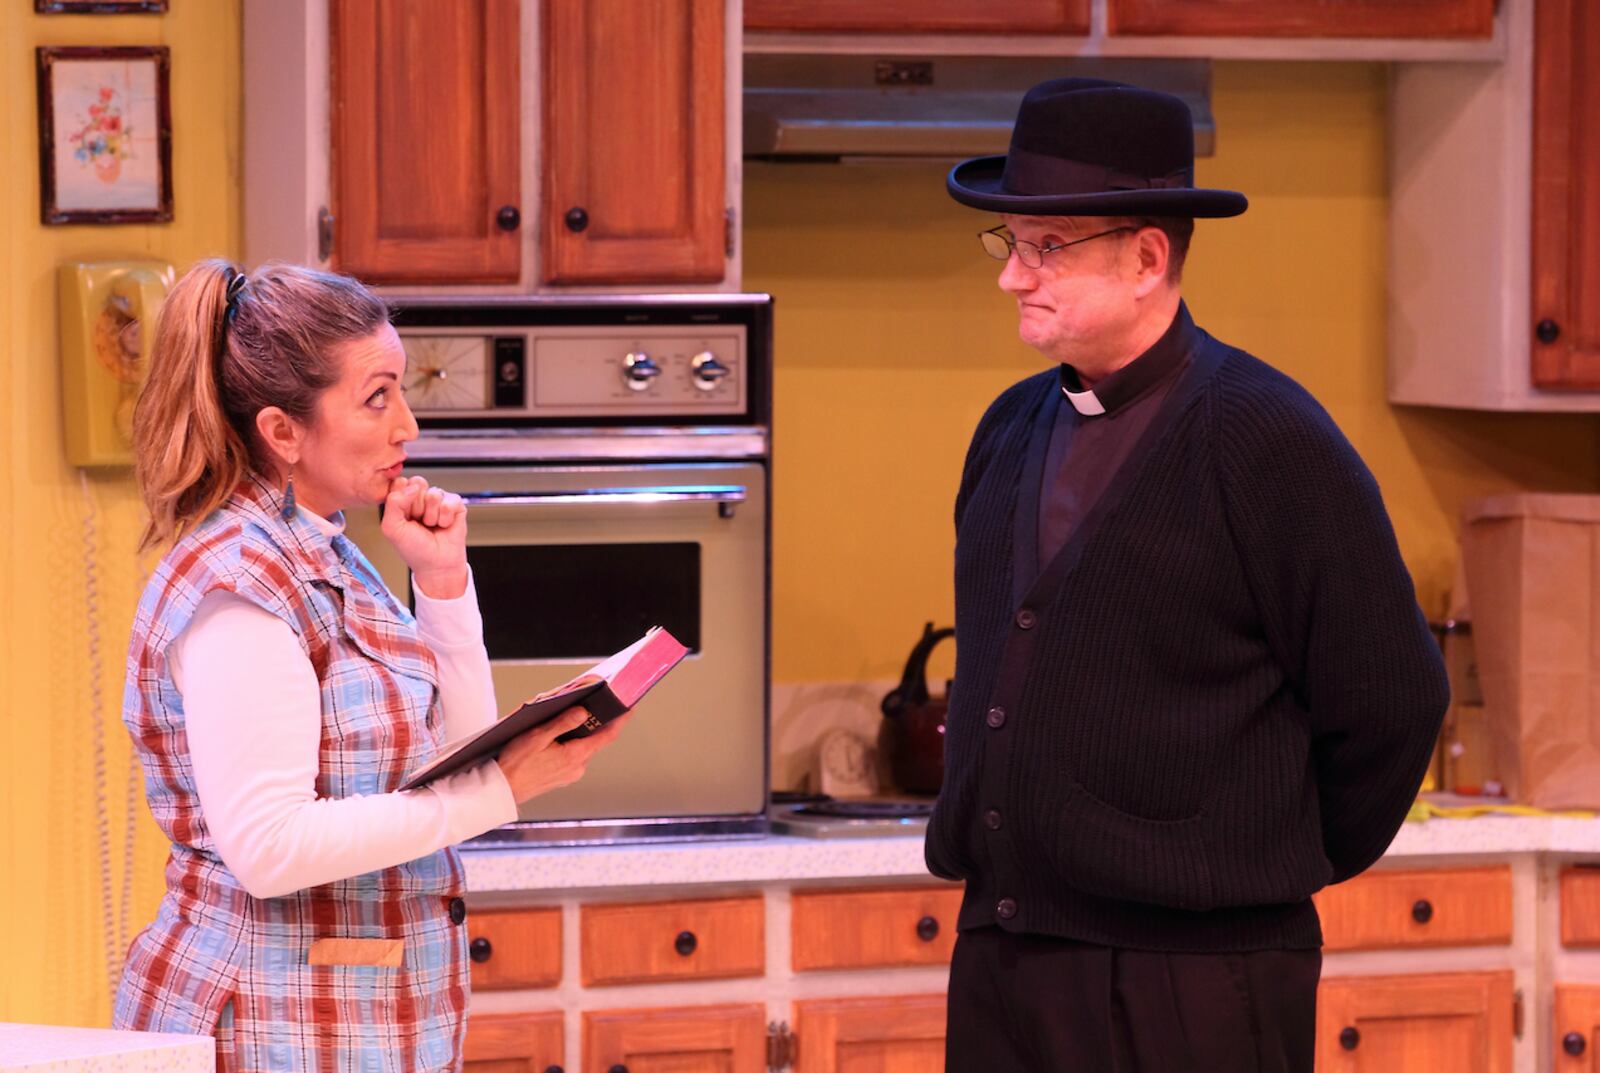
1192	685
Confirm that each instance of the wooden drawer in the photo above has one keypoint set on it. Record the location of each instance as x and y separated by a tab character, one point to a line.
514	948
629	944
1433	907
861	929
1580	907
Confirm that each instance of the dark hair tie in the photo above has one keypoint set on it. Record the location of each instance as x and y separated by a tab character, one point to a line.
235	280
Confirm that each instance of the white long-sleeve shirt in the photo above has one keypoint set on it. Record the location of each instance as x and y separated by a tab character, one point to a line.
253	717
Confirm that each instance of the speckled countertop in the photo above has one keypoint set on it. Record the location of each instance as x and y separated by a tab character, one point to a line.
48	1049
783	858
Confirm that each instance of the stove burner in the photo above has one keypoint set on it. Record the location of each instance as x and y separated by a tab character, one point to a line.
867	810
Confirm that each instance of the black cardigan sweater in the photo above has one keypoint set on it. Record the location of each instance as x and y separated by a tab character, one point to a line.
1217	698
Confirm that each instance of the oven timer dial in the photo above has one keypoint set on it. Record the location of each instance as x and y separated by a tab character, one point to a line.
708	370
639	369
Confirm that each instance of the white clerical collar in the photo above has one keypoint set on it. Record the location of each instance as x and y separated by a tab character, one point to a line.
1086	403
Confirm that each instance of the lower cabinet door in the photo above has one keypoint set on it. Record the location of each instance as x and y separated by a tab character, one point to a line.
1577	1028
514	1042
897	1034
1427	1023
687	1039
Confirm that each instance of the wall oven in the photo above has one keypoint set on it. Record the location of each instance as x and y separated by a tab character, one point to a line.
615	456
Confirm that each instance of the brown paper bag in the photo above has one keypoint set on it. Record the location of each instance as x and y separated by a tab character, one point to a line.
1533	581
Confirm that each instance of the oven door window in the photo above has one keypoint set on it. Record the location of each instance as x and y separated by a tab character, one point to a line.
582	602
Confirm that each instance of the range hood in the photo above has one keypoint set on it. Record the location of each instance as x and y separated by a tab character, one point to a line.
841	107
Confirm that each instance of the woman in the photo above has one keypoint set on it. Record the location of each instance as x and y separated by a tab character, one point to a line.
278	693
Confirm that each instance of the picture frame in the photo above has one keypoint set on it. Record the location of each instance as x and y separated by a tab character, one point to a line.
99	7
105	134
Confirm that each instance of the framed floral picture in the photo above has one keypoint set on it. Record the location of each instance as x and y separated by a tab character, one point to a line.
105	135
97	7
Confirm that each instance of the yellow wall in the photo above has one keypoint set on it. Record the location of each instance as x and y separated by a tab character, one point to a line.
892	338
52	948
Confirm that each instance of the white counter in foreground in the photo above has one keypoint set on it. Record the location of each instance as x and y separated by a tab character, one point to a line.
779	858
48	1049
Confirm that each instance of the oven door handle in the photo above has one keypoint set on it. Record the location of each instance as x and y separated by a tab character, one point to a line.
725	496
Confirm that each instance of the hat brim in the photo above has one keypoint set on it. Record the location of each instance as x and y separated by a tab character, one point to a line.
976	183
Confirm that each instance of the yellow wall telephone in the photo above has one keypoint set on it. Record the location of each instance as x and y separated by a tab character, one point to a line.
108	315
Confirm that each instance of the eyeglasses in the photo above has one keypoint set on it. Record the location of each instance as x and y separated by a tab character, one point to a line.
999	242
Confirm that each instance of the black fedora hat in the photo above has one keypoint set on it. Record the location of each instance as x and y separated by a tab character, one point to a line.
1089	147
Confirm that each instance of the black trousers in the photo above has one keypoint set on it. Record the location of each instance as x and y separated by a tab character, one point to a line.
1042	1005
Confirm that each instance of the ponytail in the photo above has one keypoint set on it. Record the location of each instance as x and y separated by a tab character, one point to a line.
228	346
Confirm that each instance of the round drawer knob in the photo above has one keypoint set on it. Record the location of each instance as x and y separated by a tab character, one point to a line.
480	950
1350	1038
1422	911
576	219
508	218
554	1069
1547	330
618	1068
685	943
1573	1043
927	929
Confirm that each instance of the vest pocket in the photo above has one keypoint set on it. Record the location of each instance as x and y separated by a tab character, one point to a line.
1109	853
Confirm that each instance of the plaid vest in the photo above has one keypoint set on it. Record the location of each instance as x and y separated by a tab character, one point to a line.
212	943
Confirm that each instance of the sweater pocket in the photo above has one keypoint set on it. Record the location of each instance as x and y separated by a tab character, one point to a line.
1103	851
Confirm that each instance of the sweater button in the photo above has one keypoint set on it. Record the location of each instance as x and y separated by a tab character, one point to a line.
996	717
1006	908
991	819
458	910
1026	619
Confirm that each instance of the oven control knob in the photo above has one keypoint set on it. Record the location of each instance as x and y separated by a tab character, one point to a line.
638	369
708	371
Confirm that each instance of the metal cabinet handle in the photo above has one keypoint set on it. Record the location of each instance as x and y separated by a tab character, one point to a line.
1574	1043
683	493
618	1068
685	943
577	218
927	929
1422	911
480	950
1548	331
508	218
1350	1038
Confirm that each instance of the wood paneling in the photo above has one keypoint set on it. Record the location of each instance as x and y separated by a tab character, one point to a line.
636	943
1438	1023
426	117
524	948
872	928
870	1035
1580	907
1564	321
514	1042
1576	1024
1302	18
919	16
695	1039
633	140
1432	907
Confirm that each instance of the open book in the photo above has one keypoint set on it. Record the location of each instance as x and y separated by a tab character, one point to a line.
605	690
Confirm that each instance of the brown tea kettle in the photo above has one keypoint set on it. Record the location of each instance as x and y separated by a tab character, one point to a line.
912	734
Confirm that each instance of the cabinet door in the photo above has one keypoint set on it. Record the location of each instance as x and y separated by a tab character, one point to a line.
1436	1023
702	1039
1303	18
634	167
426	158
1565	330
514	948
514	1042
917	16
1577	1028
903	1034
873	928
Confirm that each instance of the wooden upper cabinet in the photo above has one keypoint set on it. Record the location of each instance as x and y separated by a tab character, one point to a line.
634	141
1564	328
690	1039
514	1042
1576	1024
426	154
1303	18
1438	1023
896	1034
919	16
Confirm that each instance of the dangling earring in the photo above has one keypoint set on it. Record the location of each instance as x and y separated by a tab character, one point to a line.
288	510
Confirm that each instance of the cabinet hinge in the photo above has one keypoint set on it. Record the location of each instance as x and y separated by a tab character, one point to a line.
1516	1013
730	234
324	233
780	1047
